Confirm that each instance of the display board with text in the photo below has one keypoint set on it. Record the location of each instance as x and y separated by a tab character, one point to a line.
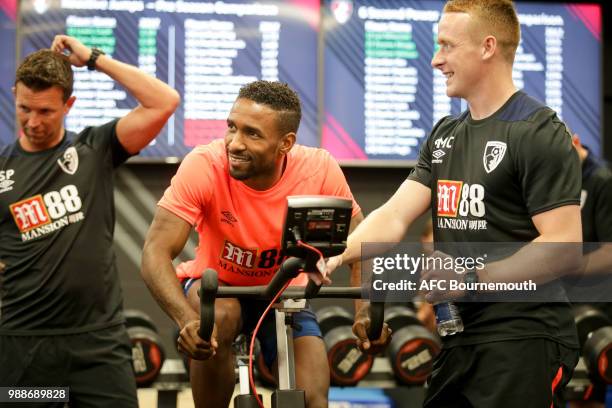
379	96
206	50
382	96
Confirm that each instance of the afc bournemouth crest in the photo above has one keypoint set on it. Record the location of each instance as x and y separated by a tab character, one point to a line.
69	163
493	155
342	10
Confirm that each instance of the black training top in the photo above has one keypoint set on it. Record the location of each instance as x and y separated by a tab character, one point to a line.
596	201
56	235
488	178
596	210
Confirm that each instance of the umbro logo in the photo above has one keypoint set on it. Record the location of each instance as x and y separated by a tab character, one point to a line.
438	153
228	218
6	184
441	143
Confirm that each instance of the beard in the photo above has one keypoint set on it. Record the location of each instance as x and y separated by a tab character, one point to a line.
242	171
251	169
240	174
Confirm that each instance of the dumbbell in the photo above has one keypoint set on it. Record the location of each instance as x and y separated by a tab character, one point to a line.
347	363
597	354
595	339
412	348
148	353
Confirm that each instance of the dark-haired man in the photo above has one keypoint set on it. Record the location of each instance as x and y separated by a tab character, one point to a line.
61	319
234	192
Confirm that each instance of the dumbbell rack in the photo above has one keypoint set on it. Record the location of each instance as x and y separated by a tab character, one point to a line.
173	380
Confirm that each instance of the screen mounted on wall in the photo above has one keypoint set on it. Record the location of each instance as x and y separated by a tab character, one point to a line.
382	97
206	50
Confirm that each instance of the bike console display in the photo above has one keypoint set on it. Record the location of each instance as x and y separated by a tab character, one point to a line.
319	221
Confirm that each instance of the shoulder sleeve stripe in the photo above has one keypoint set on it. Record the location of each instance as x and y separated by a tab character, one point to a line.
521	108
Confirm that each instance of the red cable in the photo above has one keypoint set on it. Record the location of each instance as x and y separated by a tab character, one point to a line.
305	245
252	346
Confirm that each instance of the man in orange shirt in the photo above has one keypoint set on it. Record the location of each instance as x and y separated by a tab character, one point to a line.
234	192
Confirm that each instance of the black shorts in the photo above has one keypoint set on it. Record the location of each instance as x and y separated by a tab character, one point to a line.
528	373
96	366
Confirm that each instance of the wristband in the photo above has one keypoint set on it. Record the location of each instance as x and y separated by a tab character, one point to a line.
91	62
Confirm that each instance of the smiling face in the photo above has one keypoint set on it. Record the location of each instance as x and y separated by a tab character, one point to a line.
459	56
255	145
40	115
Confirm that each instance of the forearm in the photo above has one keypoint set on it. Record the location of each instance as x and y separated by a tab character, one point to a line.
540	262
159	276
382	225
556	252
157	101
150	92
599	262
389	223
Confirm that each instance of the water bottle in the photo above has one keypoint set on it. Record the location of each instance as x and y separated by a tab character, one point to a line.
448	319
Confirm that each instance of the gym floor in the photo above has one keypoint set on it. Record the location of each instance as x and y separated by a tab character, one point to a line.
378	388
147	397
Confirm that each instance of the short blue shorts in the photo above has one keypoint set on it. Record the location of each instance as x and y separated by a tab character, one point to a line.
305	323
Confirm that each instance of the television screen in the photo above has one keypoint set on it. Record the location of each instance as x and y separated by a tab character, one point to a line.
382	97
8	15
206	50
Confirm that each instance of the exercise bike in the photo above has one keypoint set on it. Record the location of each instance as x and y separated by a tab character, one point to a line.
315	227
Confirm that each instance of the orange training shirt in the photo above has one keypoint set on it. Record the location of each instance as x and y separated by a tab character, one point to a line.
240	229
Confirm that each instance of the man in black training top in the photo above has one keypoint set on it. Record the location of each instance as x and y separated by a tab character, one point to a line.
502	171
61	318
596	210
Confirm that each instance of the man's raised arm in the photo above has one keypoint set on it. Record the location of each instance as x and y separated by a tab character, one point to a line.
157	101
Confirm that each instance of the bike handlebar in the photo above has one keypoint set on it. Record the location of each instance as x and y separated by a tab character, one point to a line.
210	290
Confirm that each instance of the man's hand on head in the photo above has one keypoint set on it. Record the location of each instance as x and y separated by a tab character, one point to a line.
77	53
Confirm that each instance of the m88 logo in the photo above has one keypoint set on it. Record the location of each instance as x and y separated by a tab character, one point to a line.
40	209
459	198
